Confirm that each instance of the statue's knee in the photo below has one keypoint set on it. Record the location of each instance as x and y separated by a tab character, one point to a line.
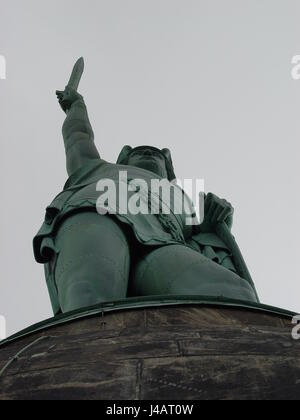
78	295
90	286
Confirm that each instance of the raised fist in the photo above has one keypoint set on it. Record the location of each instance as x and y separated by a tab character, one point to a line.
67	97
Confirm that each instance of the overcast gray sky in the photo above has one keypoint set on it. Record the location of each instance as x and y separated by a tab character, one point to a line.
210	79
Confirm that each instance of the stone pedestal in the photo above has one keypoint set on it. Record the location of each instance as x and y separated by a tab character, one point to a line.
174	352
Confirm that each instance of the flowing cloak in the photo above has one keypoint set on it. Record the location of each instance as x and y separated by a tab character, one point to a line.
80	192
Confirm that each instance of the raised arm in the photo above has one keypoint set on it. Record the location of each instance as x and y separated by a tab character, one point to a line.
77	131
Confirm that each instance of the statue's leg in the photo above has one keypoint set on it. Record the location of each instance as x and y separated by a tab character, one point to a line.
179	270
93	261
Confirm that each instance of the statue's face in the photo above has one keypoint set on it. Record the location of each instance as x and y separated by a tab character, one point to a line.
149	159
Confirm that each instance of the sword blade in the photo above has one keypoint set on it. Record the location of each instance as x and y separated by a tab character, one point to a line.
76	74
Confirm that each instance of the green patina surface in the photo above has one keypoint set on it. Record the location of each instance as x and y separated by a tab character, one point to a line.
91	258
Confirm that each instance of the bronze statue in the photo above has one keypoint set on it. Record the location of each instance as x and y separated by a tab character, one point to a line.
91	258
